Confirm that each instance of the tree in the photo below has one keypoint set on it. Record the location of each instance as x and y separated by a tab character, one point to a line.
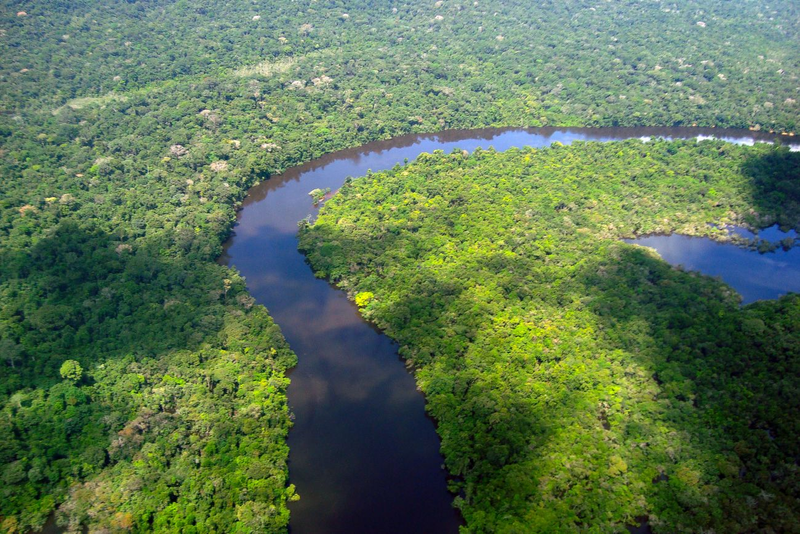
71	370
10	351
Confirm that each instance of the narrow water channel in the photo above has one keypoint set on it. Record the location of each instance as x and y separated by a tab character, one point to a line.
364	456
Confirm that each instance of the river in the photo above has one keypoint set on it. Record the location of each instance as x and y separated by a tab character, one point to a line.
364	456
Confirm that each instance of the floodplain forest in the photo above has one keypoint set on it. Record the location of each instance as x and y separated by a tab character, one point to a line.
143	389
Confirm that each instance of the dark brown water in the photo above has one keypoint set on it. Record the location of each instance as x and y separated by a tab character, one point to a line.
364	456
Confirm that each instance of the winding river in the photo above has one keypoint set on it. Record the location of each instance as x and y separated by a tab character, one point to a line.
364	456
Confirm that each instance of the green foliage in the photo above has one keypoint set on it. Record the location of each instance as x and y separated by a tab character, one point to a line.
364	298
163	438
579	382
180	417
407	66
129	132
318	194
71	370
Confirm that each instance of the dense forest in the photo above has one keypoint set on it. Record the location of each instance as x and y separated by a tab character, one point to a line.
140	387
580	382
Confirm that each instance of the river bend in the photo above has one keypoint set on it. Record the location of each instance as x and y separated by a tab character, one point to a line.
364	456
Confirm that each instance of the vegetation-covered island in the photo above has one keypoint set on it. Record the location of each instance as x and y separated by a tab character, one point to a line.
141	387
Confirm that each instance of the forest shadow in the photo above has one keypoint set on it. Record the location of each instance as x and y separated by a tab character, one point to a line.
164	343
724	386
775	182
84	294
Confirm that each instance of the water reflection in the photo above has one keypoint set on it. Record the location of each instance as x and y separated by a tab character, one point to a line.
755	276
773	234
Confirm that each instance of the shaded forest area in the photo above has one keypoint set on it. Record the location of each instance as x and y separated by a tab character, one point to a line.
131	130
580	382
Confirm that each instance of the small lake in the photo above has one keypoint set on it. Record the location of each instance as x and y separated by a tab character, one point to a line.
364	456
753	275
